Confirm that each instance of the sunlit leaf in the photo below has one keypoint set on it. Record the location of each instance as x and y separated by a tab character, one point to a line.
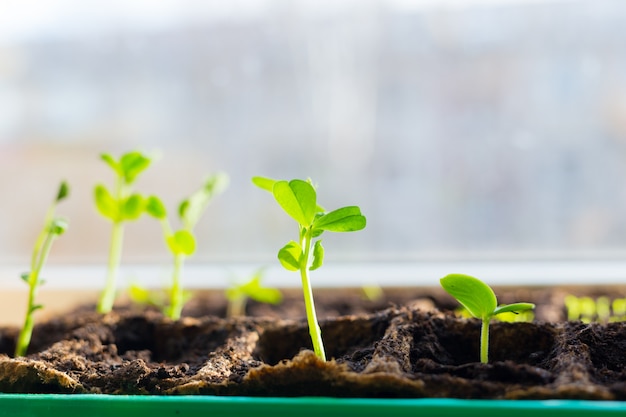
267	295
476	296
58	226
64	191
111	162
132	164
318	255
298	199
290	256
513	308
191	209
182	242
133	207
105	203
345	219
264	183
155	207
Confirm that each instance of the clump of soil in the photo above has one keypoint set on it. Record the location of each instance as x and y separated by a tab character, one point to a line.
394	348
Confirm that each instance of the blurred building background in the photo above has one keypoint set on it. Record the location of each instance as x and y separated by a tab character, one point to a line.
462	128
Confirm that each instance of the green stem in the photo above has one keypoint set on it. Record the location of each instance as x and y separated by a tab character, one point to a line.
314	328
236	307
39	259
484	341
176	301
105	304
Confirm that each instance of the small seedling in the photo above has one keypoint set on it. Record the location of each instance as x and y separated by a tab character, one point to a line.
238	294
182	243
119	206
53	228
372	292
601	309
298	199
481	302
159	298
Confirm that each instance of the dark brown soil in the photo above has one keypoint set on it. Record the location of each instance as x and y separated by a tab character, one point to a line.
408	344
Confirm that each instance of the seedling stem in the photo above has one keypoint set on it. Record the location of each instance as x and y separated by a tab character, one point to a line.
53	227
309	304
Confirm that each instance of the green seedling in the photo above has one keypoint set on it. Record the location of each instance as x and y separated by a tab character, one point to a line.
119	206
159	298
298	199
372	292
481	302
238	295
601	309
53	228
182	243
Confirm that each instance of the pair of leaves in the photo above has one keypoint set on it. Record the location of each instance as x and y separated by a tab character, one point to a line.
192	208
129	166
181	242
477	297
116	210
291	256
298	199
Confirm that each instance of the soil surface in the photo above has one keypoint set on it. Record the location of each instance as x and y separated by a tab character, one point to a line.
409	343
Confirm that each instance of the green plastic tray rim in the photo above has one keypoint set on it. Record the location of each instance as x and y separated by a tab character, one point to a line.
93	405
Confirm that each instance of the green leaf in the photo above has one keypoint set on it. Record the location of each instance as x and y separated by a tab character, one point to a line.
64	191
155	207
266	184
318	255
182	242
139	294
298	199
290	256
58	226
513	308
191	209
216	184
35	307
345	219
25	276
111	162
132	164
267	295
105	203
476	296
133	207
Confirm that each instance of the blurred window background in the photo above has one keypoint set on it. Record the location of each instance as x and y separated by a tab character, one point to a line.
463	129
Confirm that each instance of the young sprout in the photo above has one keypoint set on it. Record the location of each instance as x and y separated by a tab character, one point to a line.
119	206
53	227
588	310
298	199
238	294
480	300
182	243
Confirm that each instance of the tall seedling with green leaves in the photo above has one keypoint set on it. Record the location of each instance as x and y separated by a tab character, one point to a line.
119	205
480	301
298	199
53	227
182	243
